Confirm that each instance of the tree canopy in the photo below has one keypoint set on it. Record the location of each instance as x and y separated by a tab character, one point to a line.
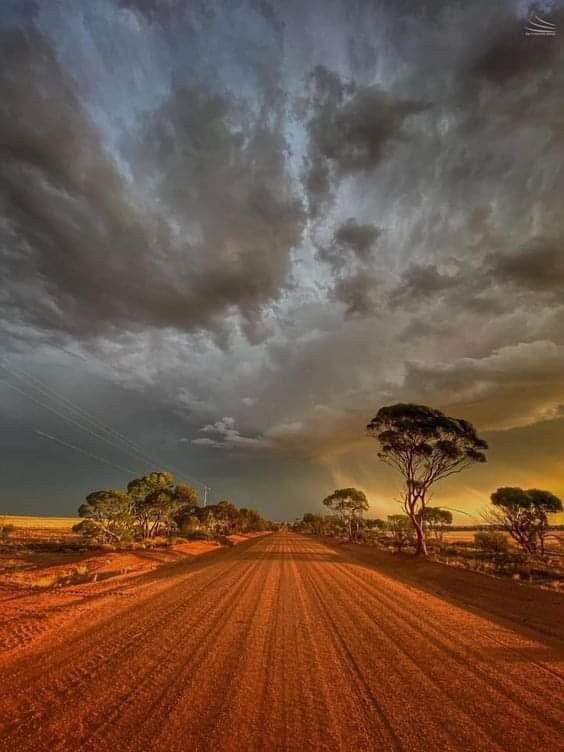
154	505
349	504
424	446
107	515
524	514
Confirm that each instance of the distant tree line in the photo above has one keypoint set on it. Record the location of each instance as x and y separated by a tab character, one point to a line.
154	505
348	506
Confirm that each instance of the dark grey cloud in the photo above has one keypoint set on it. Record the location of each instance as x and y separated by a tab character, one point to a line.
351	242
350	128
538	267
359	294
358	238
85	250
514	385
221	173
350	256
508	54
422	282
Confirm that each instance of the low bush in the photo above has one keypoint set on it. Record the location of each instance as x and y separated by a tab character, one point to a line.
491	542
57	579
6	530
196	535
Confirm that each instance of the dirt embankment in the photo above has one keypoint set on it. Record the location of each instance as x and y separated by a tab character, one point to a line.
283	644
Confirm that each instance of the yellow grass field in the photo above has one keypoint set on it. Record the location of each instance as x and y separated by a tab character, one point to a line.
554	540
33	522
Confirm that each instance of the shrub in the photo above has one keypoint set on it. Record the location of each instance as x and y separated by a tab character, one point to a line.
491	542
224	540
5	530
196	535
189	525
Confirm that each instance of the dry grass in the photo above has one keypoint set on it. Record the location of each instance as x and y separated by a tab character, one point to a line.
33	522
555	538
36	529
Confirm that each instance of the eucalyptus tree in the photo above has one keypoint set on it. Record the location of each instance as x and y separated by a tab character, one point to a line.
107	516
424	446
349	504
524	515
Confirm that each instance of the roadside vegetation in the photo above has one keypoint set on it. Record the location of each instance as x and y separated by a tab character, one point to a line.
153	512
155	507
425	446
488	549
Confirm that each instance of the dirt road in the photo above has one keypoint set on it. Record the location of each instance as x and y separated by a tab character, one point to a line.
284	643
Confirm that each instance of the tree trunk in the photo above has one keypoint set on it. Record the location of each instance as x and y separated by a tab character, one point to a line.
421	545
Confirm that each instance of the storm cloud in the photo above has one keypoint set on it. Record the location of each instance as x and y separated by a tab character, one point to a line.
200	222
349	128
235	229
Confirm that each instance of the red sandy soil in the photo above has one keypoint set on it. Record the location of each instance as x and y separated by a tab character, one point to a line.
285	643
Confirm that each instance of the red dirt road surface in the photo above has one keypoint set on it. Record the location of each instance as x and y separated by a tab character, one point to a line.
284	643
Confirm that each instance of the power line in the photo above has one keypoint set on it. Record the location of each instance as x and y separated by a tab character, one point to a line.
83	451
130	447
39	386
68	419
83	415
460	511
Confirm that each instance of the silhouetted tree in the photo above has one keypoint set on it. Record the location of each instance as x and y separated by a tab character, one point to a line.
153	505
185	506
375	523
250	521
349	504
524	515
425	446
435	519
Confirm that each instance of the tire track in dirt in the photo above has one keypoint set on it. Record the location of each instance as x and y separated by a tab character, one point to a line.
448	703
106	649
535	697
284	645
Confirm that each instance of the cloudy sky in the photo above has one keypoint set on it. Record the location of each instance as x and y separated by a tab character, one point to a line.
231	231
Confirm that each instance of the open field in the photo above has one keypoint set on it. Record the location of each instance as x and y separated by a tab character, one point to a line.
33	522
285	643
35	527
555	538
